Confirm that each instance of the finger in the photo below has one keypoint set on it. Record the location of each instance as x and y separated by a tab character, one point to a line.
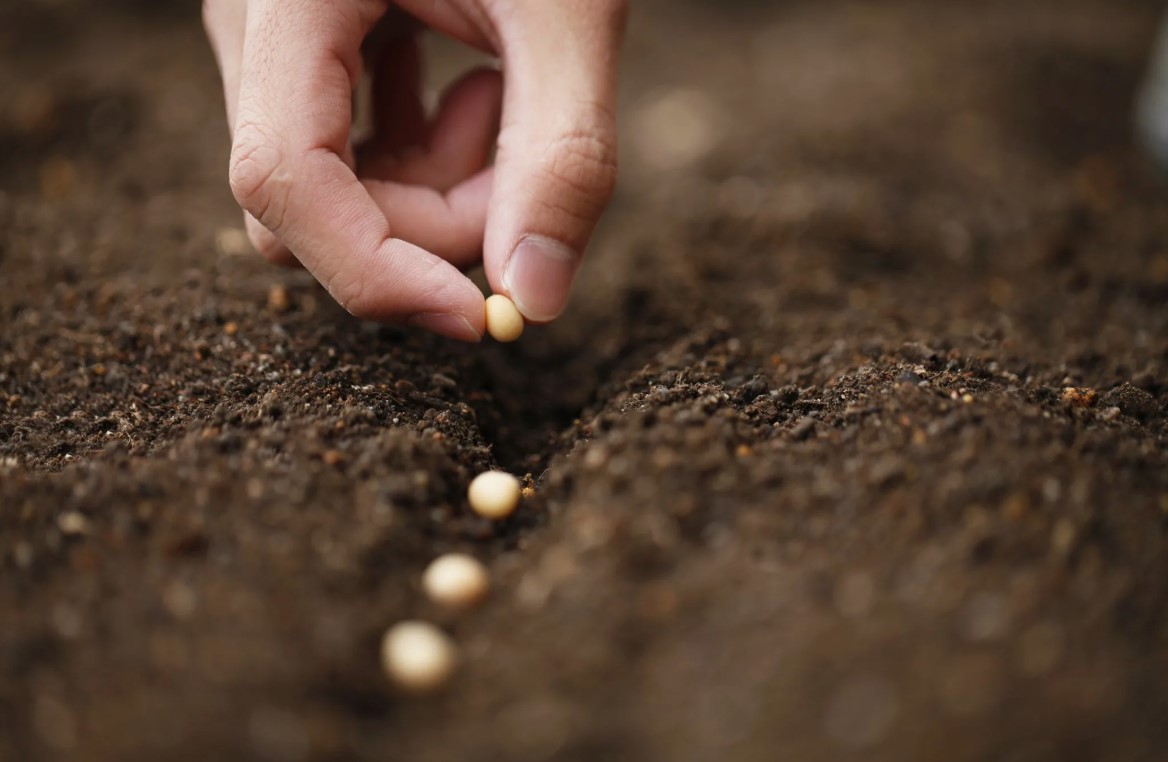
267	245
469	23
458	142
301	60
436	197
399	116
467	126
556	161
225	22
449	224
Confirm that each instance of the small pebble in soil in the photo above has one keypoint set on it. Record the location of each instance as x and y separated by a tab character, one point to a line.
494	494
1079	396
278	298
456	581
232	242
418	657
504	321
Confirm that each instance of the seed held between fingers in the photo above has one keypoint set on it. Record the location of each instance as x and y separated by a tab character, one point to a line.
418	656
456	581
494	494
504	321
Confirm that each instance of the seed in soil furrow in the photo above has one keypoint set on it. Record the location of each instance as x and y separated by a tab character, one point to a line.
494	494
456	581
418	657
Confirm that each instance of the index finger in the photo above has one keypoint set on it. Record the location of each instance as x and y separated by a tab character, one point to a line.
301	60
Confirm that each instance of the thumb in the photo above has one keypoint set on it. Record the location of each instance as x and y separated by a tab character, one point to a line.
556	159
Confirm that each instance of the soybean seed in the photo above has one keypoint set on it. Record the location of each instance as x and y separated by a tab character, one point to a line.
494	494
418	656
504	321
456	581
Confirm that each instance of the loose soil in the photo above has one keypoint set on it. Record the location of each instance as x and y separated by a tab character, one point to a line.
807	484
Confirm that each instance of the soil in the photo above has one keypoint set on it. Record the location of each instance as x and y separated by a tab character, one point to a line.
808	479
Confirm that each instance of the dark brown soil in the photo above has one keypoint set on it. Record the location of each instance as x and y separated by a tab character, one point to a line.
807	482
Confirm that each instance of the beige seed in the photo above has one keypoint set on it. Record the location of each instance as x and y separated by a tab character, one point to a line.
456	581
504	321
418	656
494	494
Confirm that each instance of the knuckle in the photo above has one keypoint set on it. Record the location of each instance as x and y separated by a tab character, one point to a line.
258	174
585	163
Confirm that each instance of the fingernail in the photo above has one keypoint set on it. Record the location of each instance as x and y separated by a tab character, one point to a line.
449	324
539	276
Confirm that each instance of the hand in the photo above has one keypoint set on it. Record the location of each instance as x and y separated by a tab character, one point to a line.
386	225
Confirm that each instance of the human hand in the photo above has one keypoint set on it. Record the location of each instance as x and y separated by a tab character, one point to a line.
386	225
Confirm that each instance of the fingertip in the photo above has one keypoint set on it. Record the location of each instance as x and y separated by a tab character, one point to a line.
458	313
538	277
405	284
267	245
448	324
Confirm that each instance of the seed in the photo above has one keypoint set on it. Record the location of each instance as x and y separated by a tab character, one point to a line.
504	321
418	656
456	581
494	494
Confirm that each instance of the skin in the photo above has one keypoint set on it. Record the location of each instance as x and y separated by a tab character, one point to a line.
387	226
